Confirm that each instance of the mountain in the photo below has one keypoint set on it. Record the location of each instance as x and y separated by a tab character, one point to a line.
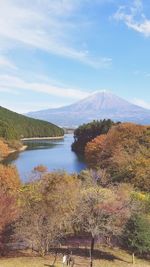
16	126
99	105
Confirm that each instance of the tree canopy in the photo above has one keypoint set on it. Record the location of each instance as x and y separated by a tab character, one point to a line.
57	205
4	149
47	205
136	234
16	126
86	132
124	153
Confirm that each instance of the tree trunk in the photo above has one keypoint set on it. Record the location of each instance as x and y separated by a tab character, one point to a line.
42	251
47	246
55	258
91	251
133	258
32	246
108	240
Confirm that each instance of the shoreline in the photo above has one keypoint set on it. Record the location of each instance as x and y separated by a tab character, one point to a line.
12	151
23	148
43	138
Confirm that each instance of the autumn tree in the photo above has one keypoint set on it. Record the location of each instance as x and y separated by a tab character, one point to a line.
4	150
9	210
9	178
38	172
86	132
47	206
125	154
101	212
93	149
96	176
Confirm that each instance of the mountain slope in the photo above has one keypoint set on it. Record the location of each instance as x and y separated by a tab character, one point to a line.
15	126
99	105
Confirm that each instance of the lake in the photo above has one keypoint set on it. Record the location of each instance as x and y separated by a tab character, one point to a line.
54	154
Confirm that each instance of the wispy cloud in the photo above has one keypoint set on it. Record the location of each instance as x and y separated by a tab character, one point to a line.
26	106
143	74
133	16
141	103
15	84
45	25
6	63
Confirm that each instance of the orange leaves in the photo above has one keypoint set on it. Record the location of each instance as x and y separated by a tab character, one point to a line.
40	169
9	178
4	150
124	152
93	149
9	184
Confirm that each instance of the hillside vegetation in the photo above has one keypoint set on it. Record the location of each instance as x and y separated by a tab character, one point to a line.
55	206
123	153
16	126
107	205
88	131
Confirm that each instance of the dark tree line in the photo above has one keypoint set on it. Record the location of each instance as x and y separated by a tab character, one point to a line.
86	132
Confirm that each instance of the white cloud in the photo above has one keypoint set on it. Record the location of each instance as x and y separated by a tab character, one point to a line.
45	25
6	63
14	84
141	103
25	107
133	16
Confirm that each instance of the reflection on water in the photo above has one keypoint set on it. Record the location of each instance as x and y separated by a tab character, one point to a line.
39	145
54	154
11	158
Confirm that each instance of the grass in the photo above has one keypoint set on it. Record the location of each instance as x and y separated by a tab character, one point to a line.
107	258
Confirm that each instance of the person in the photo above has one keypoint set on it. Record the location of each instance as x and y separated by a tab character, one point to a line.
68	260
64	261
71	261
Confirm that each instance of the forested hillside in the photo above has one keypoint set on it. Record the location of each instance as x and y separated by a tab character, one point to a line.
88	131
16	126
123	154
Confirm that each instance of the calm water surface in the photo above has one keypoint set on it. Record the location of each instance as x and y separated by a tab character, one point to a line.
54	154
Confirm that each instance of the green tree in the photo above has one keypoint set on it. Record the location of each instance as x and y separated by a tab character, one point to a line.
136	234
16	126
86	132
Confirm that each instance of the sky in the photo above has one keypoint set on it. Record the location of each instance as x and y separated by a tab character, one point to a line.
56	52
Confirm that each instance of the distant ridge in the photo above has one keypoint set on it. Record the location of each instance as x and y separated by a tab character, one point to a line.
99	105
16	126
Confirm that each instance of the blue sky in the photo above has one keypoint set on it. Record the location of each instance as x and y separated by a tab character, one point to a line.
56	52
